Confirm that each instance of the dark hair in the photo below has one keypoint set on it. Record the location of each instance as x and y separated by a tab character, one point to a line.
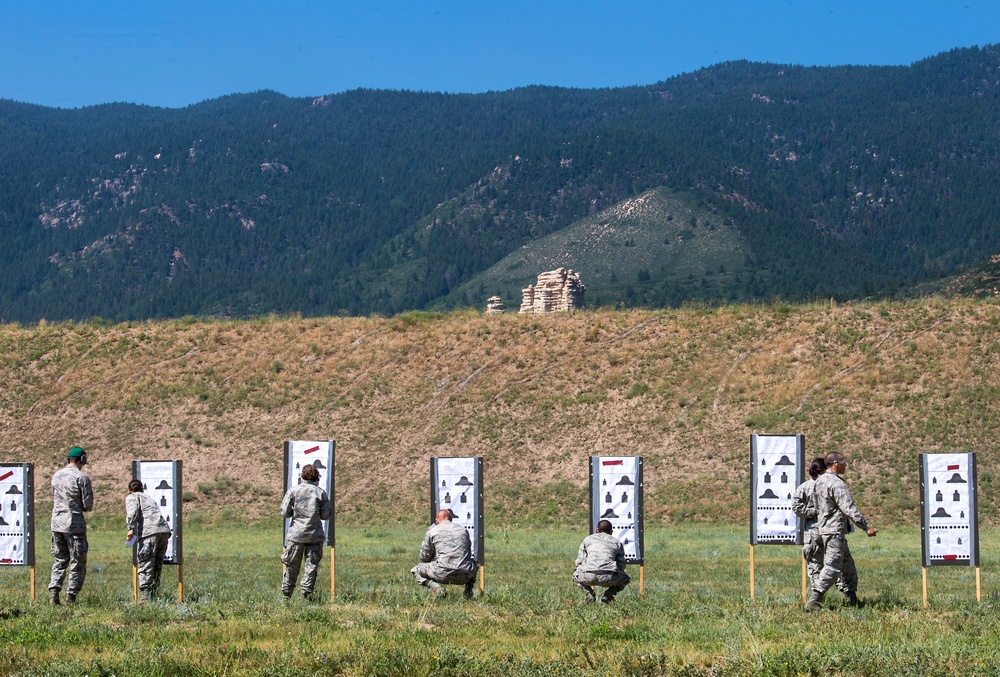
135	485
817	467
832	458
310	474
604	526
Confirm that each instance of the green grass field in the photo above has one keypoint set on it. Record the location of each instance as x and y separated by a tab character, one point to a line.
697	617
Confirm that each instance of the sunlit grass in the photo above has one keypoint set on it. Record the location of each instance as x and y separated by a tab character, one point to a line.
697	616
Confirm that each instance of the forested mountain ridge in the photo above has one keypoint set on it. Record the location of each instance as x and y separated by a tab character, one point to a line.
835	182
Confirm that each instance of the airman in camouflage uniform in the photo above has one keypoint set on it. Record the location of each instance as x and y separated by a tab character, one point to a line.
601	562
72	496
835	510
804	505
145	521
446	557
308	506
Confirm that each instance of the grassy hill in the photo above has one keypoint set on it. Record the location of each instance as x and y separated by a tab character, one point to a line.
657	240
534	395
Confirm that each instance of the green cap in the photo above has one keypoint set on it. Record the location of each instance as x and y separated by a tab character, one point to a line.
76	452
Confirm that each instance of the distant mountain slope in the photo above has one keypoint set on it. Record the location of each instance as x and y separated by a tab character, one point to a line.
840	182
648	249
981	280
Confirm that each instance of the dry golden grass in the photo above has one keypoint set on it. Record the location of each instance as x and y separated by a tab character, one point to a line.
534	395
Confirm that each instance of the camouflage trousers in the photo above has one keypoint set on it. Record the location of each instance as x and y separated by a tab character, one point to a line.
812	552
292	558
149	561
838	565
432	571
69	551
614	582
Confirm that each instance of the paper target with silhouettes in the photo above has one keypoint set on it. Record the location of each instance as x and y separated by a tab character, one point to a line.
162	481
319	455
17	514
616	496
949	523
777	466
457	485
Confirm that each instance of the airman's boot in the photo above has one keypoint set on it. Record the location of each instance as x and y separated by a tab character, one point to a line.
815	602
54	596
852	598
470	589
438	591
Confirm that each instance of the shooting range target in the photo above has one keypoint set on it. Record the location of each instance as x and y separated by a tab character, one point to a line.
457	485
777	467
161	481
320	455
616	496
948	517
17	515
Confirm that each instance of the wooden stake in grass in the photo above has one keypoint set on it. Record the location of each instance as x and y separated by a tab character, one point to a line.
333	573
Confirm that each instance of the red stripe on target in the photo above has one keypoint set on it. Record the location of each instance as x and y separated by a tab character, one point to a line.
951	557
952	467
309	451
612	462
9	473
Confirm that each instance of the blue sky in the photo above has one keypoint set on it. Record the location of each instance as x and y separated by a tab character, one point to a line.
173	53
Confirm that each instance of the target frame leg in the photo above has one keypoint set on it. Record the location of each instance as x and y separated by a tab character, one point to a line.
333	573
923	576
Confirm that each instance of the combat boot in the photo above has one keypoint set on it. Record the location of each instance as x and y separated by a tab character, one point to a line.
470	589
70	599
438	591
54	597
852	598
815	602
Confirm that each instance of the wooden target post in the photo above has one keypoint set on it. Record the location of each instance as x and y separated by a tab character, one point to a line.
949	521
17	519
777	468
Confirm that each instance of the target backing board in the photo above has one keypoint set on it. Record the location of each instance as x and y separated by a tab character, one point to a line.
17	514
616	496
161	481
949	523
457	485
777	467
319	455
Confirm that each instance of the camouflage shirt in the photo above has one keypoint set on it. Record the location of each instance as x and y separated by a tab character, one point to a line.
308	505
143	516
835	508
804	503
601	553
71	497
448	545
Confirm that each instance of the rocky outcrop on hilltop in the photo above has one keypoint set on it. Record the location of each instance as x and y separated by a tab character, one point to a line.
556	291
